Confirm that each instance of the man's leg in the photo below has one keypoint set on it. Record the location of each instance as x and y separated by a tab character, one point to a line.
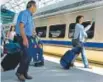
24	63
84	58
27	68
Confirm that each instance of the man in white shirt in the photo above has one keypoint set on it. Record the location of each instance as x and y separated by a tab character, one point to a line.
80	33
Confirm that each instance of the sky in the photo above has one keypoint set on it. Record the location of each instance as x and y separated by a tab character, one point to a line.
3	1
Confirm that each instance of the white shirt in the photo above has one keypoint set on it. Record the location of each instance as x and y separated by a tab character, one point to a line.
80	32
11	35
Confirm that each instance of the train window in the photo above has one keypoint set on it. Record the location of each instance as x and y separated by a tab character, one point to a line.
90	32
71	30
57	31
41	31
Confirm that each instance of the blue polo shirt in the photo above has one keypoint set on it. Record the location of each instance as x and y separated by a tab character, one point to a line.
26	18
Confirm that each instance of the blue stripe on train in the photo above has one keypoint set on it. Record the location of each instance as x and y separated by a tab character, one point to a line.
87	44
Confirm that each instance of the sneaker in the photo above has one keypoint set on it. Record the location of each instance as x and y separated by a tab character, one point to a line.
72	65
27	76
20	77
88	67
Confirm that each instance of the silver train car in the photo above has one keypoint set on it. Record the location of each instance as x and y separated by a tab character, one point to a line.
56	30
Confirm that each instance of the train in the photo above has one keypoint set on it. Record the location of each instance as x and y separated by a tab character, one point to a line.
56	30
55	27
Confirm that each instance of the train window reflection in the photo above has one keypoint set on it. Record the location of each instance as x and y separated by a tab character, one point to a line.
57	31
41	31
90	32
71	30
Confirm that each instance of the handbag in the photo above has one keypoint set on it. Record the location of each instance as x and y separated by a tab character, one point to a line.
12	48
76	42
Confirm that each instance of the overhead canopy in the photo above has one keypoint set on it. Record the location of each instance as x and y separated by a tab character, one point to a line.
11	7
43	7
18	5
6	16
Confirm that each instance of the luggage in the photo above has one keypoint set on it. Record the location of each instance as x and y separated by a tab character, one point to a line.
11	48
38	57
69	57
11	61
12	58
37	51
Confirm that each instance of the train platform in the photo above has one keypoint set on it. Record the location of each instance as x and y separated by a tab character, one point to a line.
53	72
49	26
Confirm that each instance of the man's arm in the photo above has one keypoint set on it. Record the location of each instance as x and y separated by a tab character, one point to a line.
23	21
22	30
88	27
84	32
25	40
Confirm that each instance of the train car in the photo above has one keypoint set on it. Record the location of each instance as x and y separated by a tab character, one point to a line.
56	30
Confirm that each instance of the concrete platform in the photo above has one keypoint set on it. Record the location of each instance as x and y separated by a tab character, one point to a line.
52	72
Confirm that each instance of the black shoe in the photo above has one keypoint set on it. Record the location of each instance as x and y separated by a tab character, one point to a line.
20	77
36	64
72	65
39	64
27	76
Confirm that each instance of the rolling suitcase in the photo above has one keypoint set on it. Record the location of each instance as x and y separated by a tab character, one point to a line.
37	51
38	57
69	57
11	60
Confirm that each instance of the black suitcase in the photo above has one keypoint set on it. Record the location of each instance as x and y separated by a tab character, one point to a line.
10	61
13	56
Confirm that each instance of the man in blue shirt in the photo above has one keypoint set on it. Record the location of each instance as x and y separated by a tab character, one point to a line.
24	28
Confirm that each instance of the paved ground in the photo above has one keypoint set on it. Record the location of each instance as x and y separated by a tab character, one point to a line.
52	72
